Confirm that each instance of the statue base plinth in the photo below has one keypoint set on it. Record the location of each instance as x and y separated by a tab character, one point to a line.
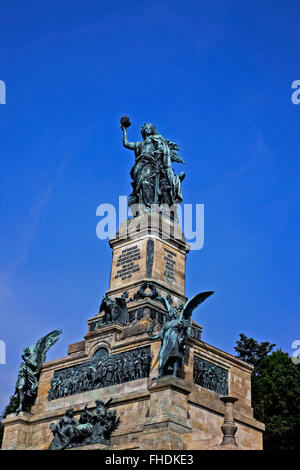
17	431
168	422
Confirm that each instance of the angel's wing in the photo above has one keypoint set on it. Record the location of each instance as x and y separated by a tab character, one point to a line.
193	303
165	303
103	305
173	150
39	350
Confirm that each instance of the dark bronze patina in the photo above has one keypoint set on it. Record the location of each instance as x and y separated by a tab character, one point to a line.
154	182
29	372
174	333
91	428
102	371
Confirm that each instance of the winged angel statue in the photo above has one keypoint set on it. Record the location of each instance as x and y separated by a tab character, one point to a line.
174	333
30	369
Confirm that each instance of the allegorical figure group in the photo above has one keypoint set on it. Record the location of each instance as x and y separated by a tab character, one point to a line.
92	427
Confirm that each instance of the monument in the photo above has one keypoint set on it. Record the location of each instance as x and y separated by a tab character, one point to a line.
141	378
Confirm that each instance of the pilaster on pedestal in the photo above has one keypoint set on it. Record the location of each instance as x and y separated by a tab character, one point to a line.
17	431
167	418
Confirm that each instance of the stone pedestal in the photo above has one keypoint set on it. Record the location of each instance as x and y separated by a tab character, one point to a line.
17	432
167	421
149	248
167	413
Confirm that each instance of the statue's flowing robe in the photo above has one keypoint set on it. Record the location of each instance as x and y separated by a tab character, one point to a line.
143	174
27	376
171	346
62	431
146	167
83	429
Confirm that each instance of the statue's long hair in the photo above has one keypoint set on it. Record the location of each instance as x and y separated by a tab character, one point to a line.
152	127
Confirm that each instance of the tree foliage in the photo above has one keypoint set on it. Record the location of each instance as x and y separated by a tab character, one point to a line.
251	351
275	392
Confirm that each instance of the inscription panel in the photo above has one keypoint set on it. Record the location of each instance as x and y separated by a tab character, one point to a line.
170	264
127	262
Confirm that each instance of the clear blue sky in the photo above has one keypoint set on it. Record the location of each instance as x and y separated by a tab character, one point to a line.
214	76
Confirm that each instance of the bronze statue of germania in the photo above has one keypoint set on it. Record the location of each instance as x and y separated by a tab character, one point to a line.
154	181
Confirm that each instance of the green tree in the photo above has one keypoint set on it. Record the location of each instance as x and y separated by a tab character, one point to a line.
275	392
251	351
